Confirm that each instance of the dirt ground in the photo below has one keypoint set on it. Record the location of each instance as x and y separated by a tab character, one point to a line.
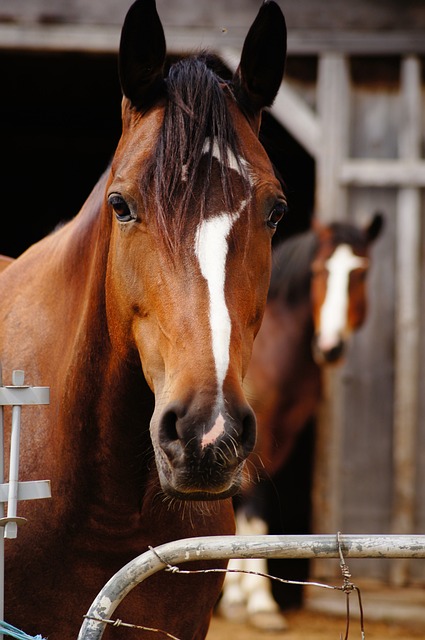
307	625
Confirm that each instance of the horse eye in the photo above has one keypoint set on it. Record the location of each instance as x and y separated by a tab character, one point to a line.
120	207
276	215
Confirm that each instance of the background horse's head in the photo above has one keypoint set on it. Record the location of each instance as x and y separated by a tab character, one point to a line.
193	202
338	290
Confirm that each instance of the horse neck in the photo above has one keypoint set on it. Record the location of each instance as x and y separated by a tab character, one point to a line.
123	457
296	321
107	397
112	406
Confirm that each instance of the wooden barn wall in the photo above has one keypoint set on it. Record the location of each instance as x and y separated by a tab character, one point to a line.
313	25
363	496
314	14
366	492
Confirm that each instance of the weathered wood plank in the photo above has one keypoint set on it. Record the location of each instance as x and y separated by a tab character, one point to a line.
371	24
333	108
408	273
68	36
333	105
409	172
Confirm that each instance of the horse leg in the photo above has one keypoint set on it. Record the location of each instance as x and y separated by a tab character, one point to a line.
262	610
248	596
232	605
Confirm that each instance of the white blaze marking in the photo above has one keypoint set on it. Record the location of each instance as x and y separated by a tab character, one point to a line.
232	162
231	158
214	433
335	306
211	250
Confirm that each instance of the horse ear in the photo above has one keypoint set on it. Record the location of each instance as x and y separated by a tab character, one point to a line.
142	54
260	72
375	226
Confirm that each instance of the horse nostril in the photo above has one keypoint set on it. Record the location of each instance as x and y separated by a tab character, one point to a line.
334	354
327	353
168	428
179	438
249	432
169	438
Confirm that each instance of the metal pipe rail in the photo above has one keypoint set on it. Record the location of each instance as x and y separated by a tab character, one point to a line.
227	547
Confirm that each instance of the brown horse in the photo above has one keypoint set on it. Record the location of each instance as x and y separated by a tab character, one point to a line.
140	314
317	298
5	261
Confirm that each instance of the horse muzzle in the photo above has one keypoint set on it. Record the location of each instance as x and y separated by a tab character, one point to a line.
201	458
330	353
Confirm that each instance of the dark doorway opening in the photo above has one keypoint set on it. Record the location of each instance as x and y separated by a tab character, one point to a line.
60	126
297	169
61	123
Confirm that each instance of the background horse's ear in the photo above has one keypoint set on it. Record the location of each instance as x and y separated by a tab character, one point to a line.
375	226
142	54
260	72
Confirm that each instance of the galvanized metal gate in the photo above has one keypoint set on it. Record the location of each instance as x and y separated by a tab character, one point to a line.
168	556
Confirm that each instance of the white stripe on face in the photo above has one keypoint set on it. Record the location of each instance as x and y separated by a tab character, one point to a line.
231	158
335	306
211	249
232	162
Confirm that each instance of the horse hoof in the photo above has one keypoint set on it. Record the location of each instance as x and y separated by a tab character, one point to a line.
268	621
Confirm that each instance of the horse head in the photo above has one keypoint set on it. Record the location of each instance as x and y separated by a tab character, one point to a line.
338	286
193	203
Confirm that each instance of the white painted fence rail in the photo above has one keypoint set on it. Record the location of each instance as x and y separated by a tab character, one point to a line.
227	547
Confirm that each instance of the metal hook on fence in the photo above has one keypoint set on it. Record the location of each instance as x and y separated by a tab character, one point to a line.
347	588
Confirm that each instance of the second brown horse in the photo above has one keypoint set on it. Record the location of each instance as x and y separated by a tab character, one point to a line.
317	298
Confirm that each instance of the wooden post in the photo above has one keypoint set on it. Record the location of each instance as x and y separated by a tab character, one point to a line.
406	386
331	204
333	96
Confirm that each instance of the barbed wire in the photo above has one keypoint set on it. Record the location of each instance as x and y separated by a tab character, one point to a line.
120	623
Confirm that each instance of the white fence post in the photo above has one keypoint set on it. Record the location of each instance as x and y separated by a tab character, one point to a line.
12	491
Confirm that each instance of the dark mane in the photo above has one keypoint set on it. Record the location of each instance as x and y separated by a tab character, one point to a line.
291	270
196	109
345	233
